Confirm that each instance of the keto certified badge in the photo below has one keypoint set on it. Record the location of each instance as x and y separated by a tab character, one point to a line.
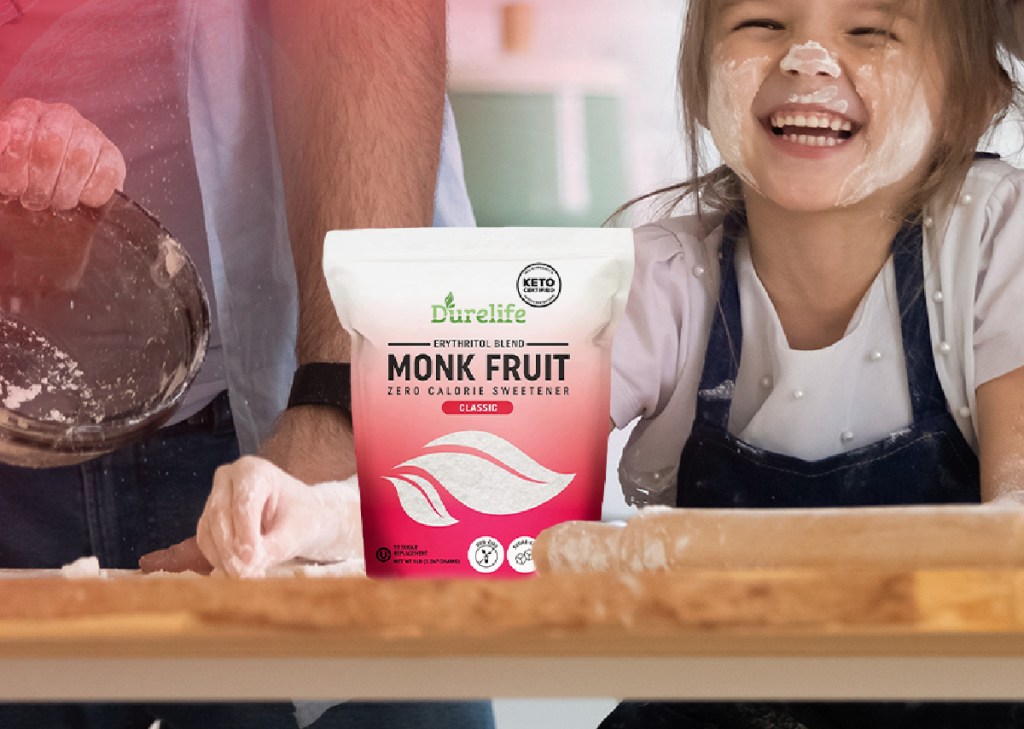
539	285
486	554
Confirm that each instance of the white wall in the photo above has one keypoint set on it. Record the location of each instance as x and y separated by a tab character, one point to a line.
641	36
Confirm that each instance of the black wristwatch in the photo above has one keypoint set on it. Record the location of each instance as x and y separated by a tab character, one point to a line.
322	383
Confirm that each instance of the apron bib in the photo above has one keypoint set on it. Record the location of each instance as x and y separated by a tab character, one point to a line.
928	463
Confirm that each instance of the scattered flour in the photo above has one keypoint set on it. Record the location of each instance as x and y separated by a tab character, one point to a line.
82	567
18	396
33	367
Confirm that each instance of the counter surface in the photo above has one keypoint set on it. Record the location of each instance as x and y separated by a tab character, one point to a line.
757	634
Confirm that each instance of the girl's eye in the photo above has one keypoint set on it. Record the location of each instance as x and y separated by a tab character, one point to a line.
765	23
874	33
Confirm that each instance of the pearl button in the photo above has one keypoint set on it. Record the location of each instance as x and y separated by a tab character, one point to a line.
945	348
846	436
875	356
928	221
938	296
965	412
798	394
966	199
698	271
766	382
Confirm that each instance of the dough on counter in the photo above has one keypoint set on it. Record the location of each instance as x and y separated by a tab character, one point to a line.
659	538
82	567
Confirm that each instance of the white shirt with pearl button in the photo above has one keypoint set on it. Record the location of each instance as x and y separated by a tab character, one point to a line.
813	404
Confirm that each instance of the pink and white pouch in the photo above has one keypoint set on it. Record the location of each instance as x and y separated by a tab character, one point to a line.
480	387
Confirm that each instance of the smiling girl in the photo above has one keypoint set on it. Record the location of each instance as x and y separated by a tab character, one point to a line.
838	324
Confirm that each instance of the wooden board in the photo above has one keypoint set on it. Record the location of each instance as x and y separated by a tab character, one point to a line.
751	613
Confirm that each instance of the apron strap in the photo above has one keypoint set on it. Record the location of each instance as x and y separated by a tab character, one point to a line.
718	379
926	396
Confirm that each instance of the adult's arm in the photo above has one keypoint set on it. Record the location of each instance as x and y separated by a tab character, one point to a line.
358	88
358	92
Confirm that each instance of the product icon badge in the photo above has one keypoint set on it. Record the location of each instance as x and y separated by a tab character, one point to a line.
486	554
539	285
520	555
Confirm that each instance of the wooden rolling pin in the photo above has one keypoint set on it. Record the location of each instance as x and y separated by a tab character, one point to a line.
658	539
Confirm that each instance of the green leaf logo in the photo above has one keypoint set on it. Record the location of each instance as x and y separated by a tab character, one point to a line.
449	300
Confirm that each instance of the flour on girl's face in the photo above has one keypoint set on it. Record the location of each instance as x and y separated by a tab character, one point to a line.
733	87
895	139
899	134
811	59
823	97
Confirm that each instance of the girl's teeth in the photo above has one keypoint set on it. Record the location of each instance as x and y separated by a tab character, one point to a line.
812	140
808	121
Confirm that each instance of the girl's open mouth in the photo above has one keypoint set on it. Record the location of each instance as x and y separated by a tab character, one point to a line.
811	128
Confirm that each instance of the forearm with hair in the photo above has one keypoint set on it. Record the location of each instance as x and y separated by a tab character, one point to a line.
358	90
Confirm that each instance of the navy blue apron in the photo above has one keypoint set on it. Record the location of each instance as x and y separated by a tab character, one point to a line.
929	463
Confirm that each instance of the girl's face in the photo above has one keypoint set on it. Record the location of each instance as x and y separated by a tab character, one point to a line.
818	104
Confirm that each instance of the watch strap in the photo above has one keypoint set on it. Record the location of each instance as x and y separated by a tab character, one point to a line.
322	383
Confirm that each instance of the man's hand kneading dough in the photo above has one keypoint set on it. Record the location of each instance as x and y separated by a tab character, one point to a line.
52	157
258	516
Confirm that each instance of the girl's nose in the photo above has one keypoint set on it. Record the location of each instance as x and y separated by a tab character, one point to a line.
810	59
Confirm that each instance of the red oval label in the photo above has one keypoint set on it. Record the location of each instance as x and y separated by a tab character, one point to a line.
476	407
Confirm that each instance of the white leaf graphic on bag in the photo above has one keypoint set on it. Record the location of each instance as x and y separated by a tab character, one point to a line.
421	501
481	471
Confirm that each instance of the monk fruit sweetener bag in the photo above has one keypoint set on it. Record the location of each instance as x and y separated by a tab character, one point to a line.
480	387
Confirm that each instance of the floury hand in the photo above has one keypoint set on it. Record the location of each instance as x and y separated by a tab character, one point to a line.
258	516
52	157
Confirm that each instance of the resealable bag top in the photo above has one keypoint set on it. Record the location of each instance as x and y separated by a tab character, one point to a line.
481	370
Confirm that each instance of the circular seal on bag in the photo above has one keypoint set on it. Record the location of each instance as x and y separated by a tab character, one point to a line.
539	285
486	554
520	555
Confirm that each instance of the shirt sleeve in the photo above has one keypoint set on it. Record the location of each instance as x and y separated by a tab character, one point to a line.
999	299
647	351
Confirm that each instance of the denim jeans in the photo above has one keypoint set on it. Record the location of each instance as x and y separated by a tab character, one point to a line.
815	715
349	715
118	507
144	497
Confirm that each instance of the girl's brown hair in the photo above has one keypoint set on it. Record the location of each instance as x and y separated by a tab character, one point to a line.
971	36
